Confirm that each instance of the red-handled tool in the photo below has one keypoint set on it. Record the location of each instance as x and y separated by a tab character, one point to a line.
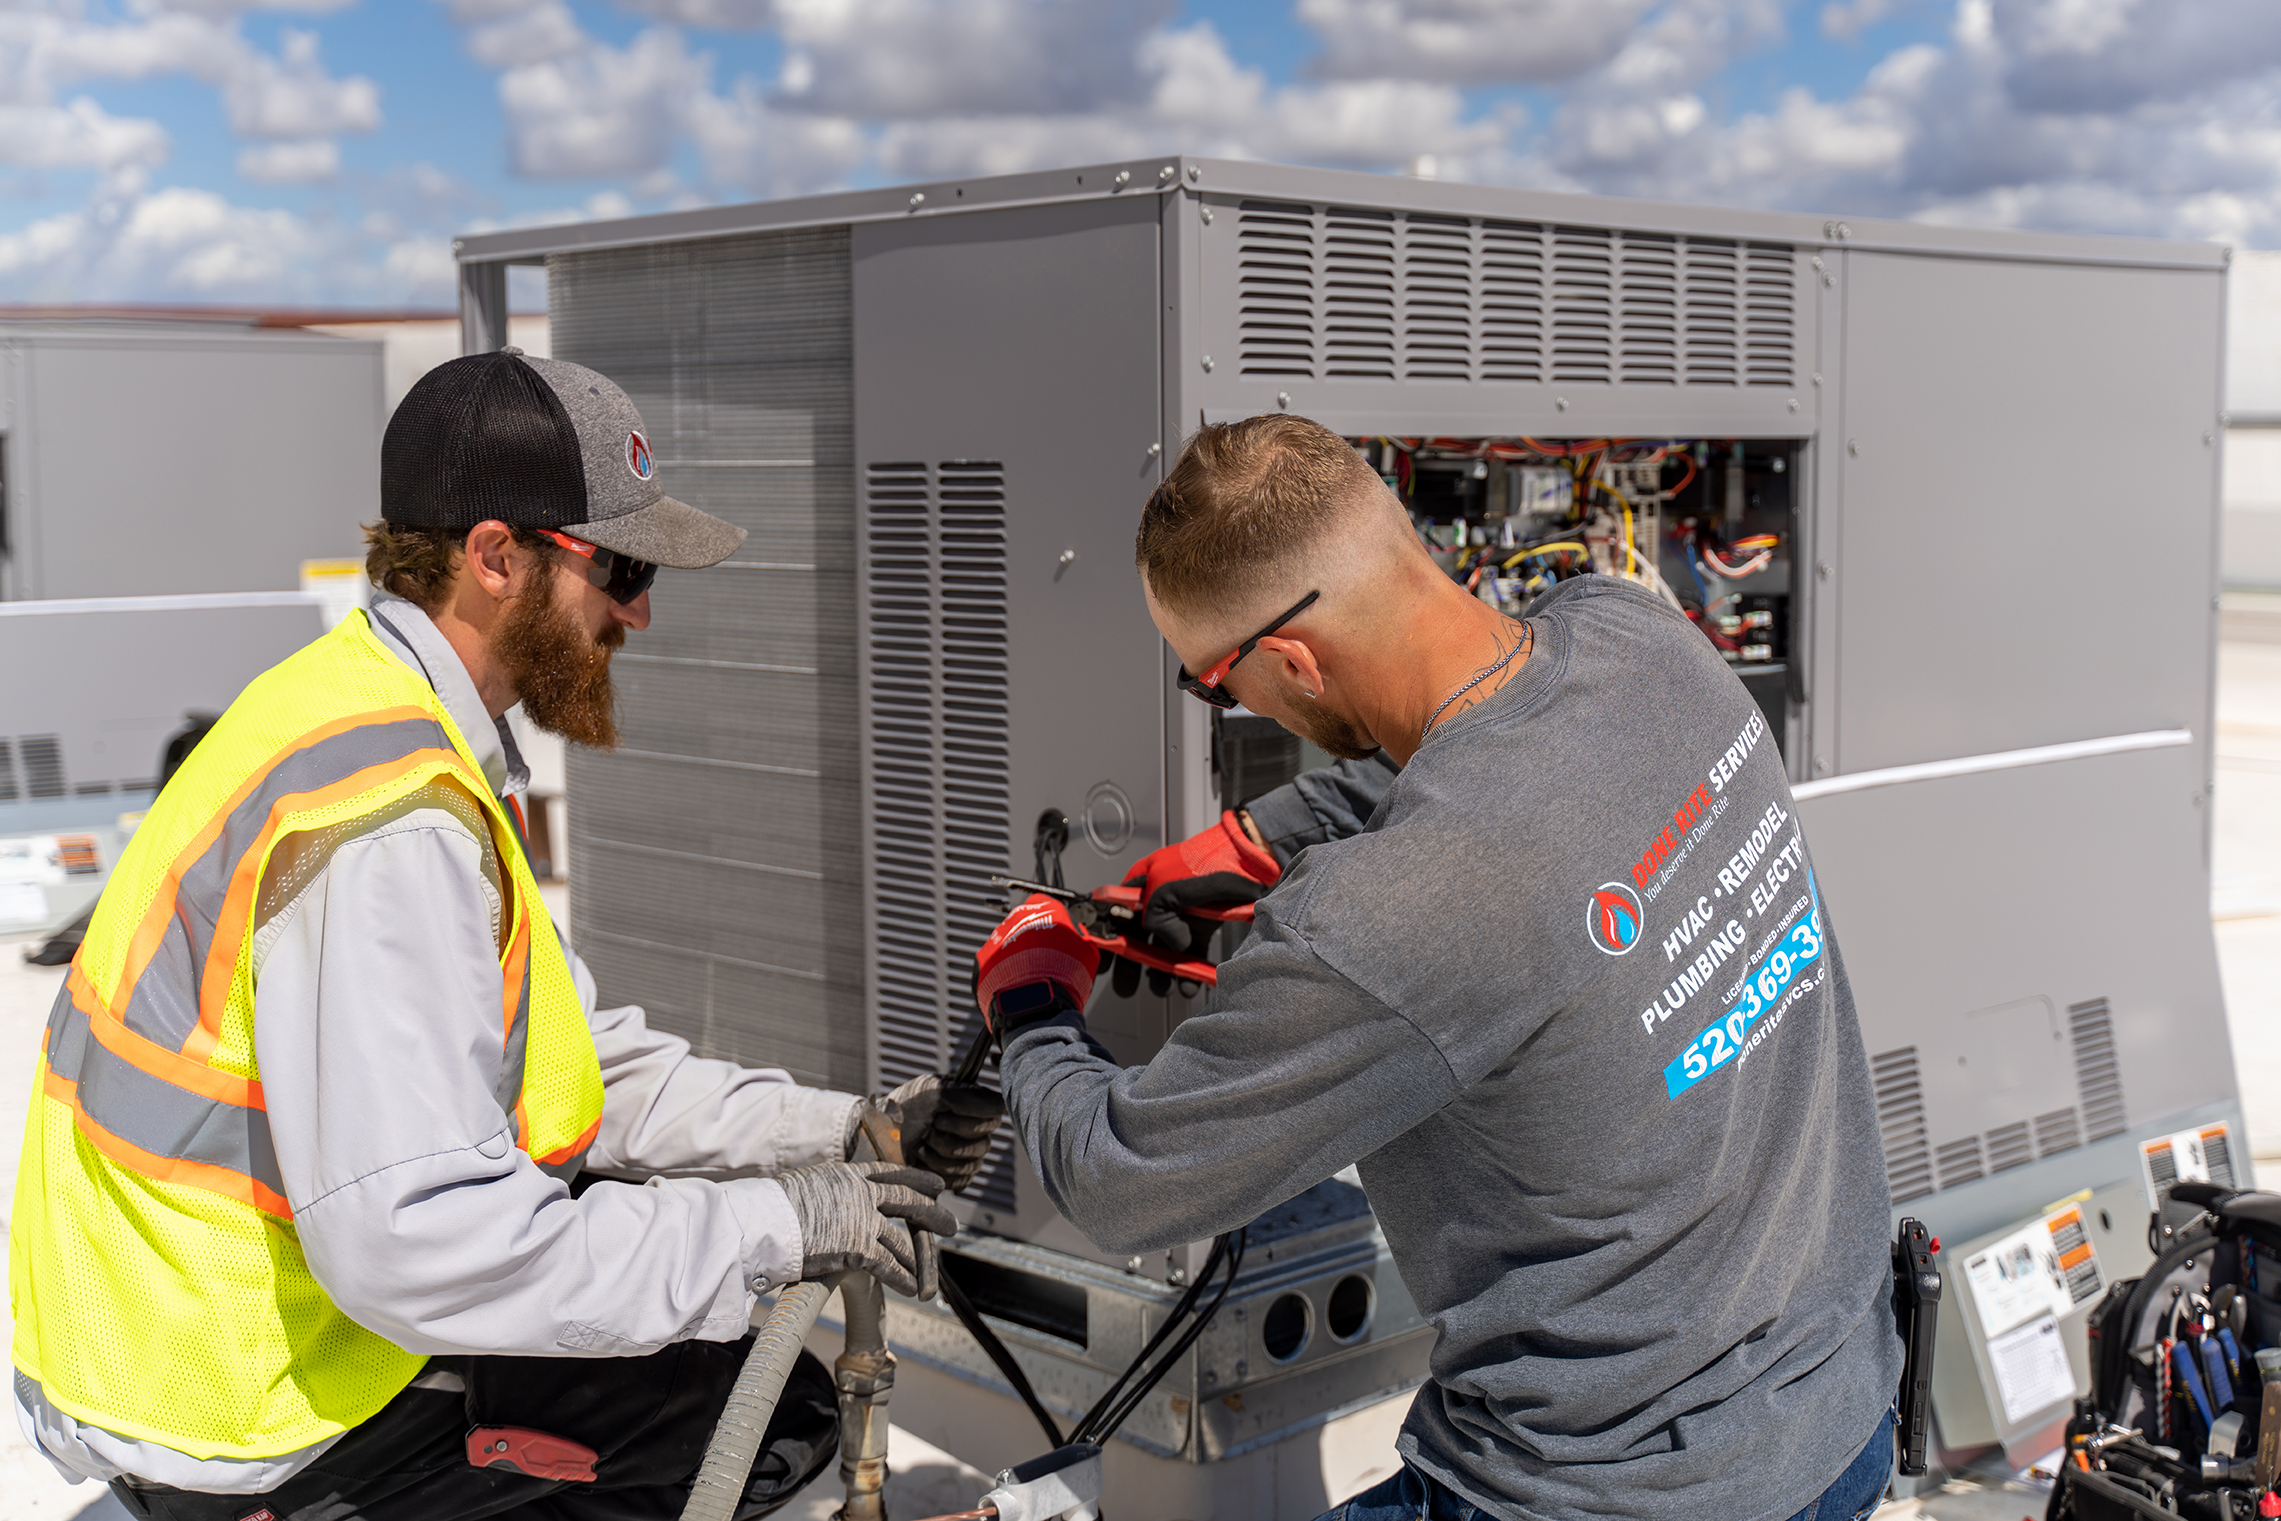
1108	917
536	1453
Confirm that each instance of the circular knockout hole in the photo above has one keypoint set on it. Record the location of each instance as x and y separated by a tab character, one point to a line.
1285	1329
1349	1311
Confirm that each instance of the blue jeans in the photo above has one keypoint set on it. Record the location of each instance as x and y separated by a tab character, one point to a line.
1411	1496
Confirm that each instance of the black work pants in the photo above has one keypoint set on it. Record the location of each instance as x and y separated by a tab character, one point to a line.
648	1417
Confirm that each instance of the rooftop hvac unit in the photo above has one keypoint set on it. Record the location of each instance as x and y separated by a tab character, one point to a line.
1982	630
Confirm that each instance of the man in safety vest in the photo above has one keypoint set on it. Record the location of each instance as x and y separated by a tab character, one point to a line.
295	1232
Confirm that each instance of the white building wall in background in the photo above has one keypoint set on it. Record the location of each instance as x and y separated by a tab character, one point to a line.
2252	490
409	349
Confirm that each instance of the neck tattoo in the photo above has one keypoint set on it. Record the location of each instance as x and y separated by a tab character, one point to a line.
1527	635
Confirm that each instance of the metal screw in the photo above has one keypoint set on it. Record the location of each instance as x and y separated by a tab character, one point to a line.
918	198
1561	402
1793	403
1843	231
1195	173
1124	178
1207	364
1283	398
1068	556
457	244
1817	261
1817	377
2207	438
1853	446
1823	570
1243	1367
1207	215
1153	451
1167	175
1132	1264
1821	765
1828	279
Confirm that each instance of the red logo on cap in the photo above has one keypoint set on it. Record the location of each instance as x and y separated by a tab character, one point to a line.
637	456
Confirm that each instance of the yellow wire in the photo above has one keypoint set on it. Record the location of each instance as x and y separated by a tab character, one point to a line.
1543	549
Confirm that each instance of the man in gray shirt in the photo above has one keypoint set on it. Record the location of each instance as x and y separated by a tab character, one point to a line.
1569	998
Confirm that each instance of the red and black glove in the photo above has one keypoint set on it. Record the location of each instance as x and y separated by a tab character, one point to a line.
1219	868
1034	965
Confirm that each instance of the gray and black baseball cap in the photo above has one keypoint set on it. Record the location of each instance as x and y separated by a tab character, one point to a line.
538	443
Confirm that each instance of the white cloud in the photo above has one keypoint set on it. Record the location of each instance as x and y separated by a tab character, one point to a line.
529	35
1468	41
911	59
78	134
601	110
291	163
290	95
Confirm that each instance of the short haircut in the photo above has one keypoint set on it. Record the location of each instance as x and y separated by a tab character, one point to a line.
417	563
1242	498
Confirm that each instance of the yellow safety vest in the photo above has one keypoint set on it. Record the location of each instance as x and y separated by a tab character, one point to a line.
157	1282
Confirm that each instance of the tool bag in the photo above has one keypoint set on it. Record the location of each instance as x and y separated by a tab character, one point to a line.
2153	1369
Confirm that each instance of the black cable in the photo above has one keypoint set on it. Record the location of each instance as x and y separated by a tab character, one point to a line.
1131	1402
1234	1243
963	1308
1180	1312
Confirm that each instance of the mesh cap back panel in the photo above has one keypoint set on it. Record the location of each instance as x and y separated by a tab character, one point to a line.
477	439
717	858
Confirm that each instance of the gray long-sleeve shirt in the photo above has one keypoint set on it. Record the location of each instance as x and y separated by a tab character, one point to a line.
1570	1001
376	1025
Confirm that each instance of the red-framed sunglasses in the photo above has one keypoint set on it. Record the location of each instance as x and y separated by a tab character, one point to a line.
620	577
1207	686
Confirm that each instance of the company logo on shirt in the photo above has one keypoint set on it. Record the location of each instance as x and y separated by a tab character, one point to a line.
1614	918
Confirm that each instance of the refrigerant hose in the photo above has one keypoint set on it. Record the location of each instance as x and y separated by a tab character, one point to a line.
736	1440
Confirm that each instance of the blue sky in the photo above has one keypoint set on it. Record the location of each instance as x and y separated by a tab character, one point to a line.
324	151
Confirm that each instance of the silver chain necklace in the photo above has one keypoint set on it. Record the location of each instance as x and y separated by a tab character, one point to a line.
1527	637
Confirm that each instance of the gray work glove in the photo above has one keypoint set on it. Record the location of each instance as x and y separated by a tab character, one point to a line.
946	1126
847	1214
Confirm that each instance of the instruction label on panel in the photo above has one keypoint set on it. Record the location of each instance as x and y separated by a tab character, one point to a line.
2204	1155
2047	1268
2030	1364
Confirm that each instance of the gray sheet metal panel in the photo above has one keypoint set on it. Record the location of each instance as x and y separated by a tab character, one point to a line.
715	857
1024	340
2048	990
2026	503
251	453
1148	176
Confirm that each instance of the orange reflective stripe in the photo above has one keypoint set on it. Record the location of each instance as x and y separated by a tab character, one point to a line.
514	971
565	1153
152	930
218	1180
136	1050
236	917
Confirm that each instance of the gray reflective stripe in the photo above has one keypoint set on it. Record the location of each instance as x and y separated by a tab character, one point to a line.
151	1113
518	1039
164	1004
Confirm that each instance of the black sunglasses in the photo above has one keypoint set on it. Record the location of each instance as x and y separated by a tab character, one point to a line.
620	577
1207	686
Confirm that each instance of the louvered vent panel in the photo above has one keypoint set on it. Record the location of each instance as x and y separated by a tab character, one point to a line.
1358	293
936	542
1647	320
1512	301
1440	266
1770	315
2098	1072
42	755
8	790
2010	1146
1341	292
1583	304
1959	1162
1901	1123
1712	316
1275	281
2057	1131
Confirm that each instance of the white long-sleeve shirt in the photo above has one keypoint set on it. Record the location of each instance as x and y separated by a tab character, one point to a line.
376	1026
